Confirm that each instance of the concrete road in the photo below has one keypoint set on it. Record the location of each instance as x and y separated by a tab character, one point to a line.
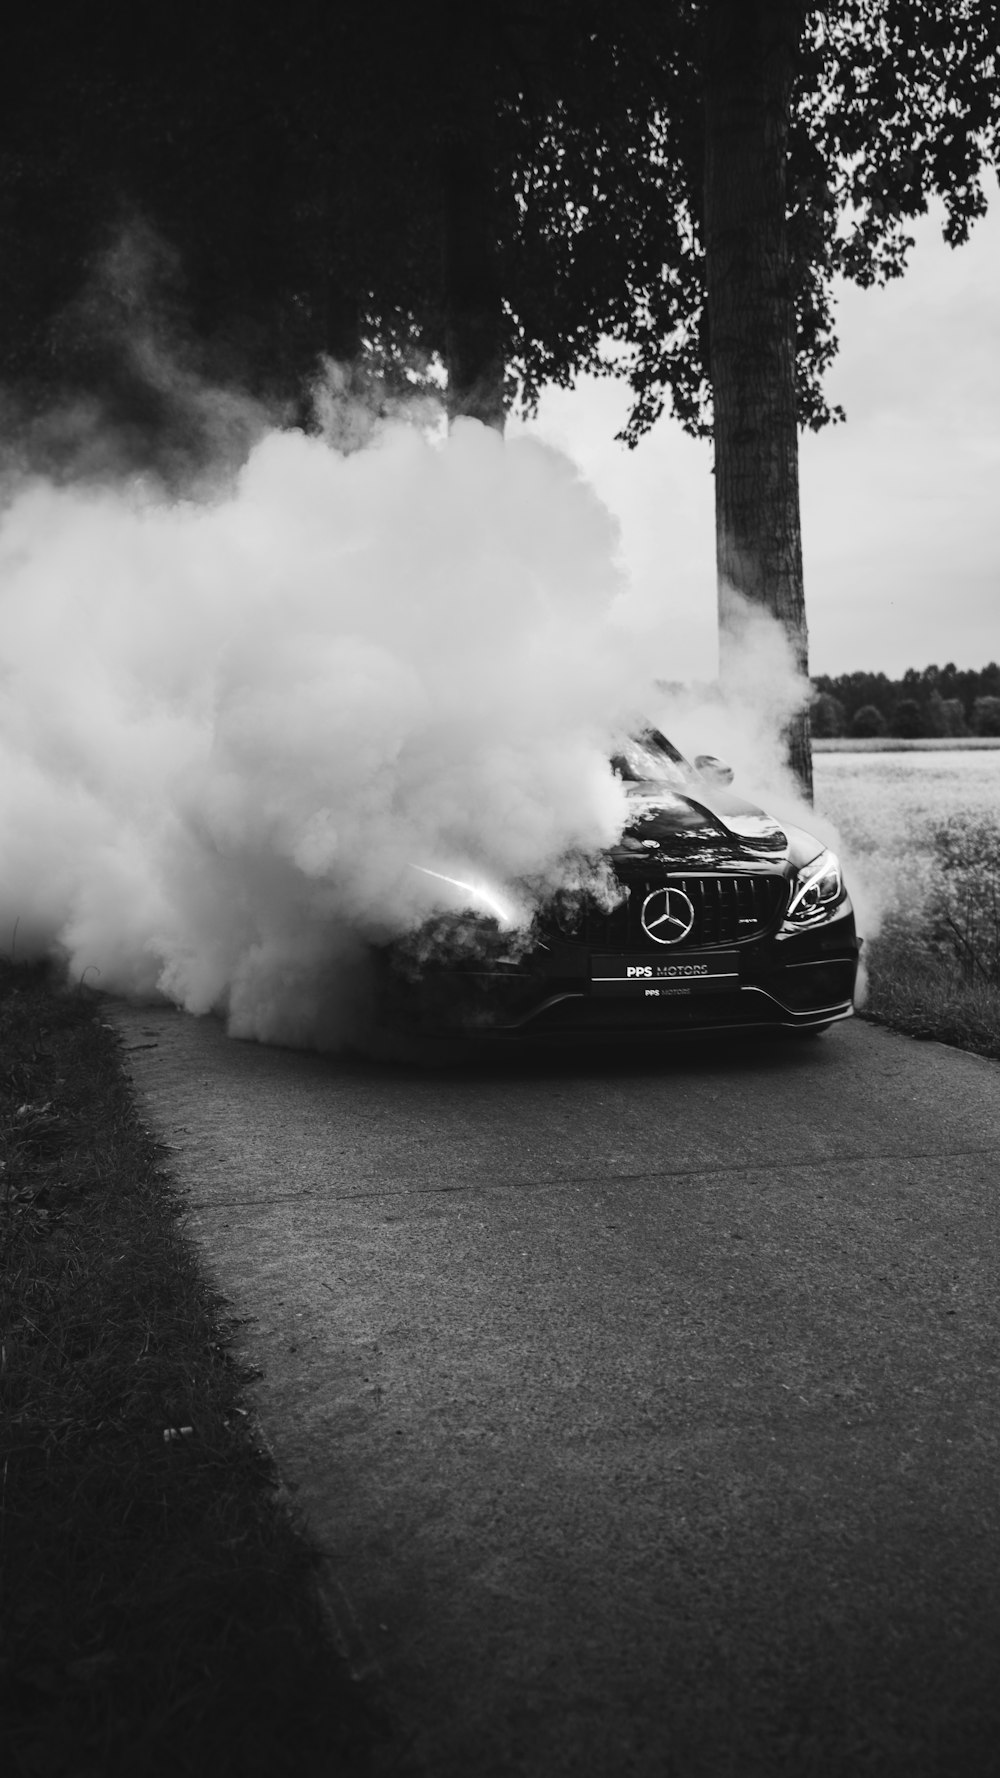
647	1409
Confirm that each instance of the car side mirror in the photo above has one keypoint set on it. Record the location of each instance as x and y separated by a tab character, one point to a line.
716	769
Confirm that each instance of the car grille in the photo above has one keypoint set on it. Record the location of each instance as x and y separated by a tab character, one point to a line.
728	908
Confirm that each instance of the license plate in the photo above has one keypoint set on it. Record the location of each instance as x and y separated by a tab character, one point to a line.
664	978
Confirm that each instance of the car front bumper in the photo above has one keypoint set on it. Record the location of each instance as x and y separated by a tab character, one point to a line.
792	979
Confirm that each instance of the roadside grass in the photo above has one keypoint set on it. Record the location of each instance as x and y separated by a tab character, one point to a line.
160	1610
929	996
934	971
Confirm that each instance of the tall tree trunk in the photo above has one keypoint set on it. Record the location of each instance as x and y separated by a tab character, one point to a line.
474	354
473	285
750	54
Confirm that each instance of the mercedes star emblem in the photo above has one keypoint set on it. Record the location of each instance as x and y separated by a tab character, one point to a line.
667	916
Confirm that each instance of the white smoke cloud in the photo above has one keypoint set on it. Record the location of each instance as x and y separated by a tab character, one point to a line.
230	729
232	726
742	718
134	398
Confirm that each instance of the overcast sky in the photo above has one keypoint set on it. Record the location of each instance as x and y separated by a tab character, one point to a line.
900	506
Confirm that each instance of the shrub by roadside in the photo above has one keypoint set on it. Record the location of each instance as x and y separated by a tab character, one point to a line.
928	997
937	973
160	1609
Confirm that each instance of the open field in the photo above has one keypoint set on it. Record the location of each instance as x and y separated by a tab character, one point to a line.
920	833
895	744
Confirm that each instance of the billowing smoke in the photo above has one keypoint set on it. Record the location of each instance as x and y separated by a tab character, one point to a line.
250	727
232	730
135	393
743	719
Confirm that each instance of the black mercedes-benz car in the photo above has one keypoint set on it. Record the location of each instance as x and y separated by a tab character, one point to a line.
710	917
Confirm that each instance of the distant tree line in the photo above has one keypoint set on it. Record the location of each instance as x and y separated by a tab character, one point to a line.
924	703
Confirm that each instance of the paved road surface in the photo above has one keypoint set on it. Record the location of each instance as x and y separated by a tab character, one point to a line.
647	1409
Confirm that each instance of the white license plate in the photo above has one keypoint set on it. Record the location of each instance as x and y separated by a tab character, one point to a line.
663	978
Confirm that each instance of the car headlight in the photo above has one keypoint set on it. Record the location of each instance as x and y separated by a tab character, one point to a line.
479	898
816	890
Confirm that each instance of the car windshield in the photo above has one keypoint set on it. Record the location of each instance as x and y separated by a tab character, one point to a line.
651	758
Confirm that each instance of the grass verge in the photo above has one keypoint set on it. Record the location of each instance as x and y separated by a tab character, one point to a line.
935	972
160	1612
928	995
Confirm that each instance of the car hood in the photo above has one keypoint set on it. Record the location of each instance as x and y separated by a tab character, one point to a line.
691	825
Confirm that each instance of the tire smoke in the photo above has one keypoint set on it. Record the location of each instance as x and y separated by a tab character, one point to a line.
231	727
249	730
